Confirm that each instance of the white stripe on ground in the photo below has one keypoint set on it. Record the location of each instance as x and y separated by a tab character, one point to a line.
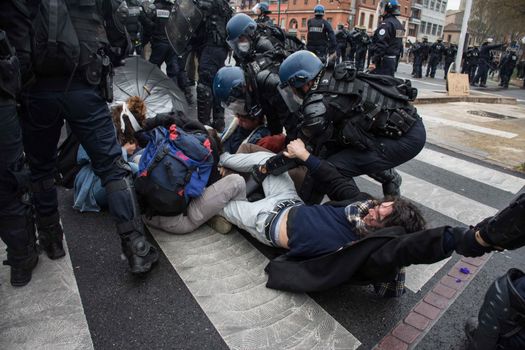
470	127
225	274
473	171
443	201
45	314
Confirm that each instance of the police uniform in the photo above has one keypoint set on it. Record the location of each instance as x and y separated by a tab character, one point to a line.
78	98
361	42
436	53
264	19
320	38
470	63
341	37
357	117
388	44
212	50
484	63
450	56
17	228
161	50
134	25
507	65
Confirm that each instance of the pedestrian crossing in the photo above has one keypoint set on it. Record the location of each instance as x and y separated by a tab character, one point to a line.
225	276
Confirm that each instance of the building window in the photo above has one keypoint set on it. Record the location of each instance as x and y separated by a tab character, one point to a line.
370	21
329	19
423	27
373	2
440	29
406	10
449	38
438	5
432	3
295	2
434	29
303	22
362	19
293	24
425	3
364	2
429	28
412	32
306	2
443	6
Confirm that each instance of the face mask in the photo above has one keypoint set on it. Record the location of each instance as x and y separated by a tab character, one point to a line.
243	47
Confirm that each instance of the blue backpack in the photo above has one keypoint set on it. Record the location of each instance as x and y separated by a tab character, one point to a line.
174	168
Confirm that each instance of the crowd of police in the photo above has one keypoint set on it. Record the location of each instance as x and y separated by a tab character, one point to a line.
361	123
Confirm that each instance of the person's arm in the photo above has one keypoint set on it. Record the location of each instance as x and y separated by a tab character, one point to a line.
244	162
382	38
332	43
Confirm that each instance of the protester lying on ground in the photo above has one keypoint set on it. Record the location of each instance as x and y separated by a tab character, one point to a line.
89	194
365	242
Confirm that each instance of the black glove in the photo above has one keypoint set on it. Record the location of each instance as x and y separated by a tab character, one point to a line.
507	228
465	242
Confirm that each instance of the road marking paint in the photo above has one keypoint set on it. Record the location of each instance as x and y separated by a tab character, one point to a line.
472	171
225	274
470	127
47	312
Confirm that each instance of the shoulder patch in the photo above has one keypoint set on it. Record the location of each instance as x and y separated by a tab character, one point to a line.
382	31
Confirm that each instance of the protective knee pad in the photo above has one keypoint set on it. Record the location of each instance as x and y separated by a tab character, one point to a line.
204	103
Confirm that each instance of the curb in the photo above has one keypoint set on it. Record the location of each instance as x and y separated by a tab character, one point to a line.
475	99
407	333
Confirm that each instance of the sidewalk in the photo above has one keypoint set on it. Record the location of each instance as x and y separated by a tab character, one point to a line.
440	96
491	132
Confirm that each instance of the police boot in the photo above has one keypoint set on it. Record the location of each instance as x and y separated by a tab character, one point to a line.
124	207
22	253
204	103
506	229
50	235
501	316
390	180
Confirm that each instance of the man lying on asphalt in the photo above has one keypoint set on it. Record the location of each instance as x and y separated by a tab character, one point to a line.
365	242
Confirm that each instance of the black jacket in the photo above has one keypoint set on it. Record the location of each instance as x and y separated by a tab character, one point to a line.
375	258
388	38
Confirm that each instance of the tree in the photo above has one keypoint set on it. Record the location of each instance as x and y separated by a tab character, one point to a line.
499	19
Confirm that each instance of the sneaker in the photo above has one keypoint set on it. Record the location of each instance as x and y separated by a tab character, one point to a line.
220	224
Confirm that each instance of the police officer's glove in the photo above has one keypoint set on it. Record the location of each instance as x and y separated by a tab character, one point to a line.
506	229
465	242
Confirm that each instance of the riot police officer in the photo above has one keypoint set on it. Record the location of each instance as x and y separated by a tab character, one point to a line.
17	227
77	91
211	50
436	54
360	43
161	50
420	51
320	38
450	56
484	62
134	26
470	63
507	65
388	41
259	53
341	37
262	10
354	119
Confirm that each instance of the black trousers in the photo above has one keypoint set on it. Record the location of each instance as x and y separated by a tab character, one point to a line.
387	66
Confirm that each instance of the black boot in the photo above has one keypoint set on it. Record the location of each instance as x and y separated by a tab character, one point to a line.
22	252
188	93
140	253
501	315
204	103
390	180
123	205
50	235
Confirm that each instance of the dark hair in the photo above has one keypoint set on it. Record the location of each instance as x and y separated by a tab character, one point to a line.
404	214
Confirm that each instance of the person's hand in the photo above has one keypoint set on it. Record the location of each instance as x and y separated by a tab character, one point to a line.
371	67
297	149
130	148
222	171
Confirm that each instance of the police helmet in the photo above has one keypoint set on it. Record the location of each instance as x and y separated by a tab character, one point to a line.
240	25
439	40
299	68
392	6
263	6
319	10
425	38
229	88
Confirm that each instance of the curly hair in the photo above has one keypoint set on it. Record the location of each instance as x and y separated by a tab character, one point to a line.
137	106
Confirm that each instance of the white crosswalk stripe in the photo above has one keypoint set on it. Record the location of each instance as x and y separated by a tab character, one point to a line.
225	275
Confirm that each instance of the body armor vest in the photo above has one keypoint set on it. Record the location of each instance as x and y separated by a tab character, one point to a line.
316	35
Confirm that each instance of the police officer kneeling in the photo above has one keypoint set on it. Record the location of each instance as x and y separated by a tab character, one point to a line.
361	123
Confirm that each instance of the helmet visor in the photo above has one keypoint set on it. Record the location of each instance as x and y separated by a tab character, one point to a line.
237	106
293	102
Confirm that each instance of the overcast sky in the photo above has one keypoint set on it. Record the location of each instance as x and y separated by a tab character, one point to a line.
453	4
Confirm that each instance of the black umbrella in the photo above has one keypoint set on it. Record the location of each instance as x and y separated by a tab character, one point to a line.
144	79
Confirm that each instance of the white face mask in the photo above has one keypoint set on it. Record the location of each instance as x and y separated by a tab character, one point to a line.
243	47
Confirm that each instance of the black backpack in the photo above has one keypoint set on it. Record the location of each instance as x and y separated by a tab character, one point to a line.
56	47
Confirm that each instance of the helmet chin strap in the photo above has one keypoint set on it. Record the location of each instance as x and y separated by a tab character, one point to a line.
134	123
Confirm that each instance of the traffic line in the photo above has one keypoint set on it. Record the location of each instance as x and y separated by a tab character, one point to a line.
472	171
47	313
469	127
225	274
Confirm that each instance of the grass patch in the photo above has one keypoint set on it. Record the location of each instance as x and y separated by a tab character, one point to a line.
520	167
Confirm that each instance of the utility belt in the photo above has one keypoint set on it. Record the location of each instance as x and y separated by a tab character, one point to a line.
274	215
